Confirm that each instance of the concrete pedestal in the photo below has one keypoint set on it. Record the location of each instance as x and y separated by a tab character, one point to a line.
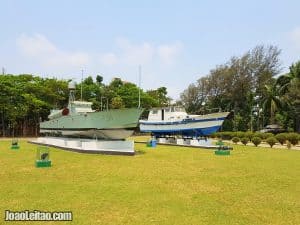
161	140
88	145
179	141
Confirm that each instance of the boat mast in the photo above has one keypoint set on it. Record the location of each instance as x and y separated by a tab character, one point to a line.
140	72
71	88
81	85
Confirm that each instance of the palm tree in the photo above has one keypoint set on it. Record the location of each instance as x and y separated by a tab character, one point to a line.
285	81
271	100
289	85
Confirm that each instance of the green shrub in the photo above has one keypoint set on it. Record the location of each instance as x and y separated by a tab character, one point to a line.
288	145
240	134
213	135
271	141
249	134
256	141
235	140
219	135
225	135
258	134
293	138
265	136
281	138
245	140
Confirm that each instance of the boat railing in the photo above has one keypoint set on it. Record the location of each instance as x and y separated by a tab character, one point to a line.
207	111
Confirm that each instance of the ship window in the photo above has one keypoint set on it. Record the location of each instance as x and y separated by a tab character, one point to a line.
154	111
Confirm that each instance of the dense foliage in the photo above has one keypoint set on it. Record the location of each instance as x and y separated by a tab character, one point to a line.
271	141
256	141
25	100
250	86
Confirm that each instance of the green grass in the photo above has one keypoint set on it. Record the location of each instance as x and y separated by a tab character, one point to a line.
163	185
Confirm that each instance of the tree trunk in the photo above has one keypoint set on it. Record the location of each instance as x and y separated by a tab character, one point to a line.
2	122
272	115
297	123
36	126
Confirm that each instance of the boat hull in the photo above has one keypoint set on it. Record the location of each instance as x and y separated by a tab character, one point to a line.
111	124
194	127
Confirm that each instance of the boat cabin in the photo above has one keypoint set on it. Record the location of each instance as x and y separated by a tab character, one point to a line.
81	107
172	113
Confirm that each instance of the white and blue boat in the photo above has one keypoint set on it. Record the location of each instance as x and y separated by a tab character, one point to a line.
171	121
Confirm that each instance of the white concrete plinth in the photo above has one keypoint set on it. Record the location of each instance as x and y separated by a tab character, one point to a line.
194	142
171	140
186	141
179	141
204	142
161	140
88	145
74	144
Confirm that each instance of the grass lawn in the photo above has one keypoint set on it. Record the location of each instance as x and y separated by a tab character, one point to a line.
163	185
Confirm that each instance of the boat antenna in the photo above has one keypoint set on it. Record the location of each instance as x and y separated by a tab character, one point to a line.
81	85
140	72
71	87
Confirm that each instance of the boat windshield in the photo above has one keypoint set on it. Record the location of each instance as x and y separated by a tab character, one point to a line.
179	109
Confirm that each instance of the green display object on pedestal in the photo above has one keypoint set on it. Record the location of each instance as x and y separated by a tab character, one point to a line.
222	149
222	152
14	144
42	163
42	157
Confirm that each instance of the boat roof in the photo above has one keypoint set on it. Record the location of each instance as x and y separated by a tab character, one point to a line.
167	107
81	103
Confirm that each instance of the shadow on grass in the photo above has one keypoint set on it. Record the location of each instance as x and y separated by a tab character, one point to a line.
140	152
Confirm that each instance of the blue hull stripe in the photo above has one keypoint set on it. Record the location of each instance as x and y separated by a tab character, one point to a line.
186	132
185	121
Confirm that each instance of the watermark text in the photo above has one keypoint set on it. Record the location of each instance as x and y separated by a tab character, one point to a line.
37	215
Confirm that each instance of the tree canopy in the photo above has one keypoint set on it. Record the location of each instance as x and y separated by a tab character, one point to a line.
250	87
25	99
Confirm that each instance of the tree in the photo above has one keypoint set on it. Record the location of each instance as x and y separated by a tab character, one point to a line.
233	85
99	79
161	95
271	100
117	103
289	89
26	99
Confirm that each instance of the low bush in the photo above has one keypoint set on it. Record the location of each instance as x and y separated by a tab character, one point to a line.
265	136
213	135
245	140
271	141
258	134
281	138
235	140
293	138
240	134
249	134
256	141
225	135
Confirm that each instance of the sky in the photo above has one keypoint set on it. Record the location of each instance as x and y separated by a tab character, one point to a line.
174	42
